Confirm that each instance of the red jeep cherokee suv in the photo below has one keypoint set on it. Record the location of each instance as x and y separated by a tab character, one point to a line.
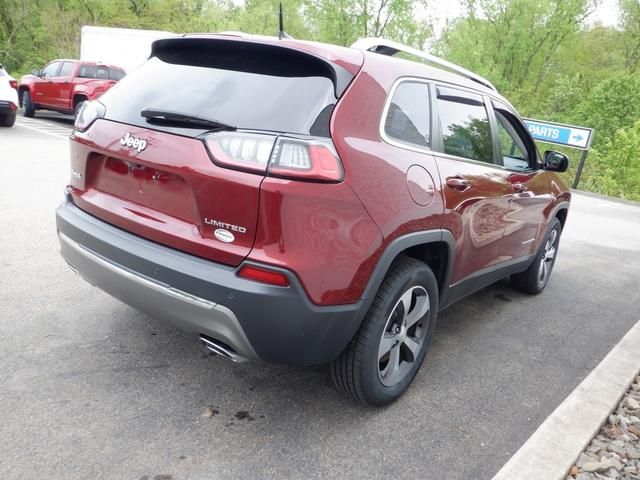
304	203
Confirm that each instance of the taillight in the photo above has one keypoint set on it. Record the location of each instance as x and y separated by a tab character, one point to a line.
307	159
14	84
264	275
241	150
89	112
299	158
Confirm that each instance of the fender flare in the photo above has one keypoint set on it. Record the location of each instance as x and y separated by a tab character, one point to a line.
563	205
401	244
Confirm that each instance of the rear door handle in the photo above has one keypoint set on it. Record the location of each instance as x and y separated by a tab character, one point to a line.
458	183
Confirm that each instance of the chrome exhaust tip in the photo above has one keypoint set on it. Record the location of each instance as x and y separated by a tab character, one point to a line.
221	348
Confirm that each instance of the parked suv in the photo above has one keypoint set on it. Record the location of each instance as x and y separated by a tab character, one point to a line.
63	85
303	203
8	98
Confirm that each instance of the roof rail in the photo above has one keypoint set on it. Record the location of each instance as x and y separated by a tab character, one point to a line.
389	47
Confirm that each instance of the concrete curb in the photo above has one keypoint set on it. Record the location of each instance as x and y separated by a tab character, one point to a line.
553	448
600	196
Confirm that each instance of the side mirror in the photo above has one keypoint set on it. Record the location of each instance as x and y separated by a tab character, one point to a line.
36	72
555	161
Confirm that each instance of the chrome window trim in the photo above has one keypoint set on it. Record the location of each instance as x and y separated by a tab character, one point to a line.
393	141
428	150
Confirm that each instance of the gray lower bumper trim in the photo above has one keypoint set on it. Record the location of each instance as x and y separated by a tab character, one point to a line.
185	311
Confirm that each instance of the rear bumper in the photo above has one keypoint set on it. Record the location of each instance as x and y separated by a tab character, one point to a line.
8	107
258	321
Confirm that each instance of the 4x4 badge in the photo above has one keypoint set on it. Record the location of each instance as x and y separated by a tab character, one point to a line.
129	140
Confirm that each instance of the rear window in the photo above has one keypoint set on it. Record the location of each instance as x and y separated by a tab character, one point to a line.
240	85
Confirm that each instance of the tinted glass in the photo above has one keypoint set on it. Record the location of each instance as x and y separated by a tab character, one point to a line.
67	68
50	70
408	115
242	98
511	145
87	71
115	74
102	73
464	125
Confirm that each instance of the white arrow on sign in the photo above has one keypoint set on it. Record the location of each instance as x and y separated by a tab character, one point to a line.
579	137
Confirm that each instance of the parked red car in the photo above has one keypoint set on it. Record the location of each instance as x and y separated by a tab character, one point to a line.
304	203
63	85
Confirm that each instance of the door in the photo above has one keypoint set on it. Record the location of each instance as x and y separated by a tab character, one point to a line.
63	86
525	221
476	189
45	89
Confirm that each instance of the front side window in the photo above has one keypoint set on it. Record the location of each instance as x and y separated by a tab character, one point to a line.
51	69
407	119
515	155
464	125
67	68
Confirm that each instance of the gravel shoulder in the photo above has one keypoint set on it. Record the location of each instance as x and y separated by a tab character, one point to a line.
615	452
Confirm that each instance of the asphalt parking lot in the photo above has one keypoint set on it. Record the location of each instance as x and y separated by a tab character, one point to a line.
94	389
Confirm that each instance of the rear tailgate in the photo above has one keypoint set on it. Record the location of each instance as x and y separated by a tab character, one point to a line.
171	190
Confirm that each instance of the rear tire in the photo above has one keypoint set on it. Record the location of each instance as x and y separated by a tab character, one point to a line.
28	109
535	278
8	119
381	361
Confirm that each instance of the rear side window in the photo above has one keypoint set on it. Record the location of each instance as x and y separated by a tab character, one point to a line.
115	74
247	86
87	71
407	119
101	73
464	125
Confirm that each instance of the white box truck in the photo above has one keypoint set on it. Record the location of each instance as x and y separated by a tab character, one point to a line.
125	47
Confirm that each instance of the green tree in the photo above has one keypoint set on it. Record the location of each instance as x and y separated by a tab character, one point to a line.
344	21
630	19
615	170
512	42
613	104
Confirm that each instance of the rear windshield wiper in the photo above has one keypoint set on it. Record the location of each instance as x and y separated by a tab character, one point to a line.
177	119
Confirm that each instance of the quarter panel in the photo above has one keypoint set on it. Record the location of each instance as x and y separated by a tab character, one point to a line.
322	233
374	169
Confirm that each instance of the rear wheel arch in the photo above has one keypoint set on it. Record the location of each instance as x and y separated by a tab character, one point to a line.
561	214
78	98
433	247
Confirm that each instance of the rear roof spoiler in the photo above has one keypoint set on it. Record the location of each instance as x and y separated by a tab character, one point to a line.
236	53
390	48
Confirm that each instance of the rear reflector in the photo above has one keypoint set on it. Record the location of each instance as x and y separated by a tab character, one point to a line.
299	158
258	274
